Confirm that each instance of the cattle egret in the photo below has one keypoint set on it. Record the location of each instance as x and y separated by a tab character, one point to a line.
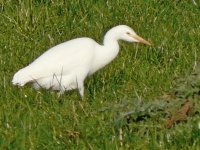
65	66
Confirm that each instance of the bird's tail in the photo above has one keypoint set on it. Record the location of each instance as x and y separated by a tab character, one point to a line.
21	77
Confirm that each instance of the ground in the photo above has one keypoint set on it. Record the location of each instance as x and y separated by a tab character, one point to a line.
127	103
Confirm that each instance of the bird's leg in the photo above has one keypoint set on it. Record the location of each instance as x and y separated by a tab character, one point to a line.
62	90
80	86
60	93
81	91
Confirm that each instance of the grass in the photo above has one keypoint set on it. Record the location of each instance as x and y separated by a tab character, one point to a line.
137	81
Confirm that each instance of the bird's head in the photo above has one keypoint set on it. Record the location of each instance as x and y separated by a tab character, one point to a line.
125	33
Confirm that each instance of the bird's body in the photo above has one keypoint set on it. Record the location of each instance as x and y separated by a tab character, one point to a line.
65	66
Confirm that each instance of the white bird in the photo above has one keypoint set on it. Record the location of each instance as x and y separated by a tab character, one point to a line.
66	66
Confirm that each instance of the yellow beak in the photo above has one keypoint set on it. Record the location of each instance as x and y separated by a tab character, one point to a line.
140	39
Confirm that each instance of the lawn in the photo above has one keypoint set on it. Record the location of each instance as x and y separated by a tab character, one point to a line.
127	103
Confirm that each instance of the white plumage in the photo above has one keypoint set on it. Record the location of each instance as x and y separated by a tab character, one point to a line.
65	66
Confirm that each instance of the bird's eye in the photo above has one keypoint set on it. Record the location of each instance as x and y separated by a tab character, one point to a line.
128	33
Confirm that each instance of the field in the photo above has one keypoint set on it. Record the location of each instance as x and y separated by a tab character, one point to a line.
127	103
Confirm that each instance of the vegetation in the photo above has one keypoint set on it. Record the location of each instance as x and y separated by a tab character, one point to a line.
127	103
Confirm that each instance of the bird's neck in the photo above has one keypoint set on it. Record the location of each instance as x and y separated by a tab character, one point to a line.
110	38
105	53
109	50
110	43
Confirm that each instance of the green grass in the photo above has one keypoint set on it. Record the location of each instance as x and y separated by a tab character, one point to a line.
136	81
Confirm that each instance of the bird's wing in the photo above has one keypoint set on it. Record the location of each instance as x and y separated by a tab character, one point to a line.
62	59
